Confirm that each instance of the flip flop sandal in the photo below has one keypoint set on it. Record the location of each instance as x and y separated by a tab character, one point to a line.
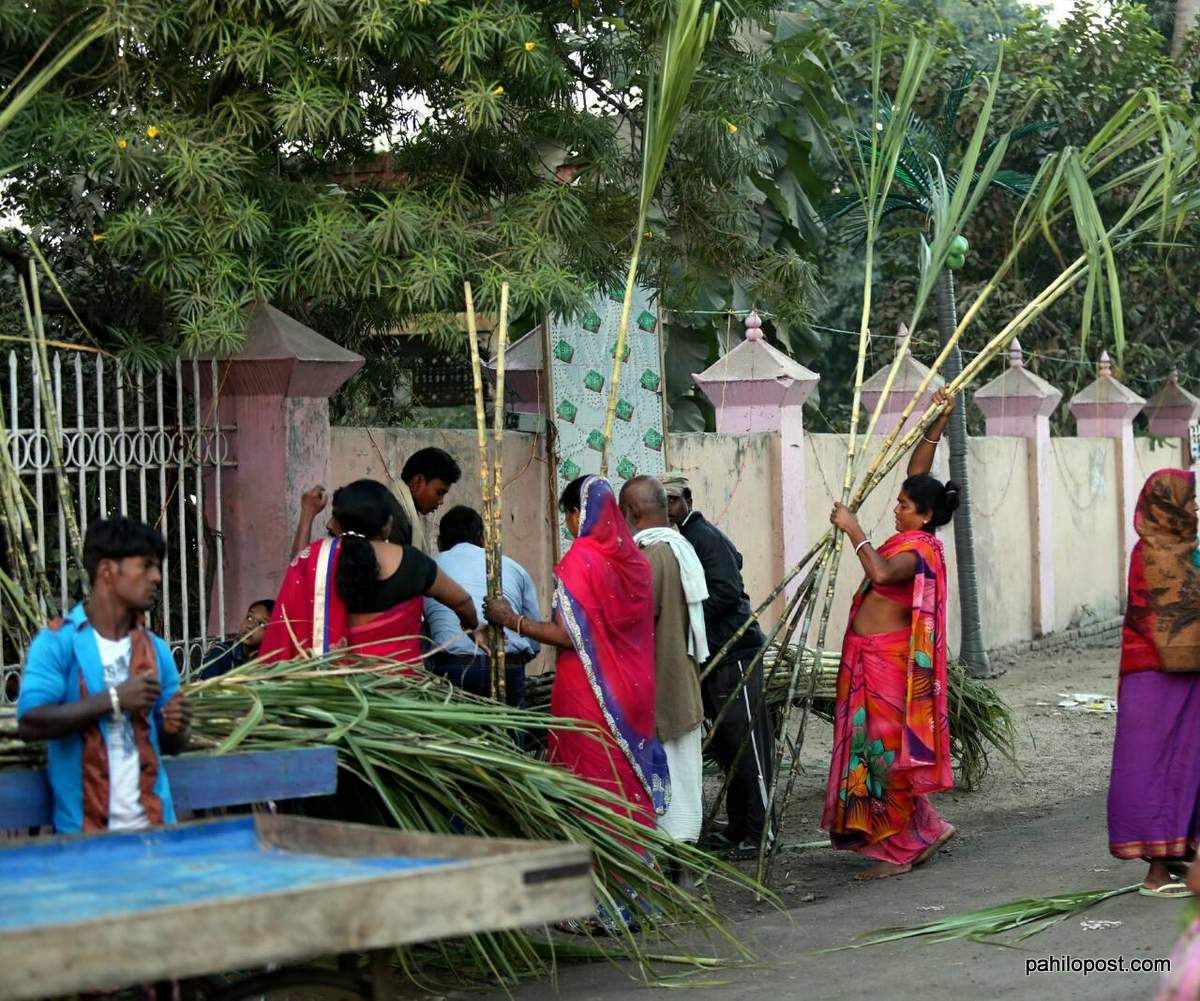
1169	891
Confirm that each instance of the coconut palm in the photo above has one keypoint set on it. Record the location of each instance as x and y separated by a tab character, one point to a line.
929	169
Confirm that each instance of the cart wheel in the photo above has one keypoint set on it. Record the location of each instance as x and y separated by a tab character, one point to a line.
296	983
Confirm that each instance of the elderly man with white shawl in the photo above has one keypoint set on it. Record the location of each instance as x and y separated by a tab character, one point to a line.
679	645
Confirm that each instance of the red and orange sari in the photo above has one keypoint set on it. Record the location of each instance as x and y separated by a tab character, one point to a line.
891	734
311	620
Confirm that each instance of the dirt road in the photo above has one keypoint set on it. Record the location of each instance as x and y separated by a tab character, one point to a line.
1027	833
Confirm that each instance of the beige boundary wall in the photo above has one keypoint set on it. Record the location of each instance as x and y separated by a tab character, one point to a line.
736	483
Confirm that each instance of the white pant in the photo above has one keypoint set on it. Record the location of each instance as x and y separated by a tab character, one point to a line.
686	763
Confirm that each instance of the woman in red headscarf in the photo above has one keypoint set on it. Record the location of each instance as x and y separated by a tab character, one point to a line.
1154	793
359	592
603	626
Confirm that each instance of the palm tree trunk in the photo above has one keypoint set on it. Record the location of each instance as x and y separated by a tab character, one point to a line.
1185	20
973	651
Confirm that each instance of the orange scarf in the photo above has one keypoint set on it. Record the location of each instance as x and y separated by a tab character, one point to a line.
1162	620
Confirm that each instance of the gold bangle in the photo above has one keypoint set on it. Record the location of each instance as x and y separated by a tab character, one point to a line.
930	440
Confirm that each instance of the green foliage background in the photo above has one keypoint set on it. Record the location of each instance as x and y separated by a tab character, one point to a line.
202	156
1077	73
354	161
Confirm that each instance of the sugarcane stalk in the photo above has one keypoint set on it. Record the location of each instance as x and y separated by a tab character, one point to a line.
792	616
485	470
496	543
10	522
767	848
785	619
31	557
666	92
880	173
766	603
34	322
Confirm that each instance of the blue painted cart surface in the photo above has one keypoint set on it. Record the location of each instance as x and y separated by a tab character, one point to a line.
111	878
99	911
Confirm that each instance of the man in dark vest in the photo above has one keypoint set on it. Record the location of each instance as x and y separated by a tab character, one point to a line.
725	610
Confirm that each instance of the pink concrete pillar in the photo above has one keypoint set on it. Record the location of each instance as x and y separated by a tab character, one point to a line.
909	376
276	392
757	388
1106	409
1172	411
1019	404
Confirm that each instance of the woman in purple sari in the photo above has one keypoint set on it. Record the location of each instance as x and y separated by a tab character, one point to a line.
1153	811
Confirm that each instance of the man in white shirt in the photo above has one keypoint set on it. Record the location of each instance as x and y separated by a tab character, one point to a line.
460	539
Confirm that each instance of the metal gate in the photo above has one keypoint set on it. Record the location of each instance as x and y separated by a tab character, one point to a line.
145	444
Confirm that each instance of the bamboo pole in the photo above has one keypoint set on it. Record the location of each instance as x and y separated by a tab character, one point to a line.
496	542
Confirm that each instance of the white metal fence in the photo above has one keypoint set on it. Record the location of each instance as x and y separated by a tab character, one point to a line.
144	444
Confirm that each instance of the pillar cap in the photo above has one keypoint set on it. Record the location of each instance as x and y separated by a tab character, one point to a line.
1172	395
283	357
759	370
909	375
1106	397
1017	383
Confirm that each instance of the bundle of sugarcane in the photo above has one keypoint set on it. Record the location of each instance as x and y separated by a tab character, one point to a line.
24	585
418	754
1146	145
491	474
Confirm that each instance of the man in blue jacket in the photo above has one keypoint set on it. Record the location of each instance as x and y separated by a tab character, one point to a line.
104	691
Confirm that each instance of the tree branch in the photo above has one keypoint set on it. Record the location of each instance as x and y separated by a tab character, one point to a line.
594	85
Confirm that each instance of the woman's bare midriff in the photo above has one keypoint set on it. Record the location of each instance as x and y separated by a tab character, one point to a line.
877	615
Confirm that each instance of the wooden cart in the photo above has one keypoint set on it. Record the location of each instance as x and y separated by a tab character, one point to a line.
90	912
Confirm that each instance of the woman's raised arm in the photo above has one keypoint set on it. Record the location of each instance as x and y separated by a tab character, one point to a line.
921	460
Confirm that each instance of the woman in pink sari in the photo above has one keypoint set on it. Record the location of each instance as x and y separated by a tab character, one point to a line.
359	592
603	626
891	736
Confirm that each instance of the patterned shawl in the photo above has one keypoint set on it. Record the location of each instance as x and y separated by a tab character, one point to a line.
1162	620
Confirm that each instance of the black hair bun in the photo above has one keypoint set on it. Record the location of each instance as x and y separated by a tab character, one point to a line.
951	495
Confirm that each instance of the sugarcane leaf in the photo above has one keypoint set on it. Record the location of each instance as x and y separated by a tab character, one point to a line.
245	725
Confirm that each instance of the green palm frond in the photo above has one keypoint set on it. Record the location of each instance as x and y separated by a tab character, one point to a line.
950	108
1013	181
1021	132
1031	915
